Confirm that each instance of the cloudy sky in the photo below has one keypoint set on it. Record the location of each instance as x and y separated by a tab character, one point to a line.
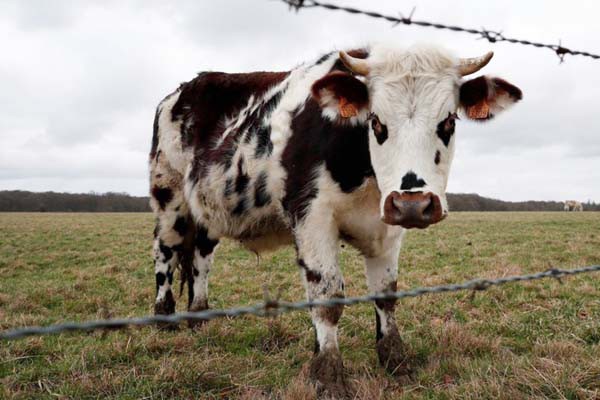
79	81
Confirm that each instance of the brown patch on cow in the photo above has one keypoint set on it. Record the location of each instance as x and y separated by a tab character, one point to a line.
477	98
334	313
327	371
388	305
181	225
205	100
473	91
344	86
154	146
436	160
163	195
393	354
311	275
504	87
306	149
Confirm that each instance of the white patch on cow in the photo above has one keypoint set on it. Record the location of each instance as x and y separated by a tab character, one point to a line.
384	323
326	334
170	135
412	91
381	272
317	242
202	266
233	124
206	199
317	234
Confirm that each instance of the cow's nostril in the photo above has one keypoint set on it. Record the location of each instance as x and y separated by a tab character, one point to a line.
397	202
429	209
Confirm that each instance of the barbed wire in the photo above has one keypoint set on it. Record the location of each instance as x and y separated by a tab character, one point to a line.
272	307
490	35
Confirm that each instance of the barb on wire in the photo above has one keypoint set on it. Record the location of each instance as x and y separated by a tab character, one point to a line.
489	35
272	307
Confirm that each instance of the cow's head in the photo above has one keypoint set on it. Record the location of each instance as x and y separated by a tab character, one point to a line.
410	101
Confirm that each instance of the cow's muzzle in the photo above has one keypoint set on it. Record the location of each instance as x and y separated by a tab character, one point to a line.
412	209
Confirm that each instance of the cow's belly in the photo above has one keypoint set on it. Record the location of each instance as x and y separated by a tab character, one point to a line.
268	235
235	216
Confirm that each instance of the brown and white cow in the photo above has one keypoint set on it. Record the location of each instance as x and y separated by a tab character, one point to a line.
355	146
573	205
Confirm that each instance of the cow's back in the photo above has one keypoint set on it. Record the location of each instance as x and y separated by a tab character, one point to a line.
211	145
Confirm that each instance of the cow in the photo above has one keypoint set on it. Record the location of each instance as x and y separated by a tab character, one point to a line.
354	146
573	205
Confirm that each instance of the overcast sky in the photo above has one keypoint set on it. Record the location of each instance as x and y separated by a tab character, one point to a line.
79	82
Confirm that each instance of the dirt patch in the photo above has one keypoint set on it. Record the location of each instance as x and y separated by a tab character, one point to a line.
327	371
394	355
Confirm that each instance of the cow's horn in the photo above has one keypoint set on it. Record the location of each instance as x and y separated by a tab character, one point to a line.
356	65
467	66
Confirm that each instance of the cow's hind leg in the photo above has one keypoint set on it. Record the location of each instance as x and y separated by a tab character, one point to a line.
317	242
168	252
203	255
382	273
172	224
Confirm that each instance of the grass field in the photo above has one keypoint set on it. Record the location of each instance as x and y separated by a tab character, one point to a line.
532	340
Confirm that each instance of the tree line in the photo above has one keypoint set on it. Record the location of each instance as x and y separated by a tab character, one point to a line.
19	200
474	202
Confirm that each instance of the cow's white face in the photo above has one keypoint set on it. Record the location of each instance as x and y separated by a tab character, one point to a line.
413	97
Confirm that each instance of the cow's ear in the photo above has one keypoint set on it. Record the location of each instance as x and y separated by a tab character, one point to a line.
484	97
341	93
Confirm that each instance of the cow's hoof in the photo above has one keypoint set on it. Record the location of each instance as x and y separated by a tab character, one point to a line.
393	354
165	306
196	306
327	372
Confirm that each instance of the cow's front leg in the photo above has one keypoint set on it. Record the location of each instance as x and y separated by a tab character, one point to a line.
317	242
382	273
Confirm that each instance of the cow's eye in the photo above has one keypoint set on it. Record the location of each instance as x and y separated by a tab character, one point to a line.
379	129
445	128
376	125
450	122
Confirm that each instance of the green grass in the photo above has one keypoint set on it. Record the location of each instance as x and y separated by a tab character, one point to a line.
531	340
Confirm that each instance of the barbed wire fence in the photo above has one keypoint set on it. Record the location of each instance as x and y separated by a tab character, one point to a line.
274	307
483	33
